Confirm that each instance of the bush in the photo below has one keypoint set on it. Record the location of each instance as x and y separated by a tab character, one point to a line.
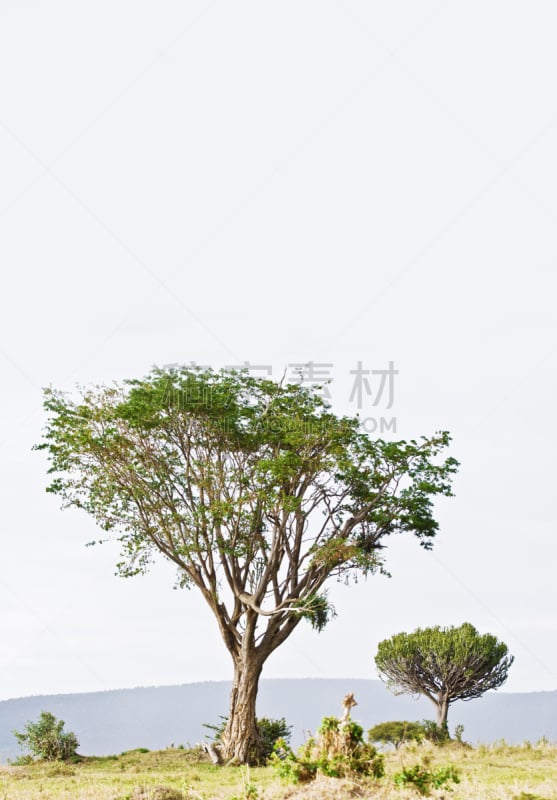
396	732
270	731
438	734
46	740
290	766
424	779
339	751
21	761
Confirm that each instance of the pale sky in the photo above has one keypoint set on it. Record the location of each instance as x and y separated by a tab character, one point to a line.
335	182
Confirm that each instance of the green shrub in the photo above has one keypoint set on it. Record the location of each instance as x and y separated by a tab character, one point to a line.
438	734
21	761
338	751
270	731
396	732
424	779
290	766
46	739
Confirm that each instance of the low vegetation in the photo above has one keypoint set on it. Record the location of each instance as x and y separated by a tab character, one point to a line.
46	740
269	732
496	772
398	732
338	751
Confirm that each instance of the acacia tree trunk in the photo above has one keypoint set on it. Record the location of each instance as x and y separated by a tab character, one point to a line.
241	741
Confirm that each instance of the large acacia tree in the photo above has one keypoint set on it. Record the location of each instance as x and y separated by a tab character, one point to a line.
443	664
255	490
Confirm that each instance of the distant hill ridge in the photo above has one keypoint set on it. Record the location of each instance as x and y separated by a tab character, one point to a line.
155	717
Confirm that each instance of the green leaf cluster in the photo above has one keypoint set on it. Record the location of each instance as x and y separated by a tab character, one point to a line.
46	739
456	662
187	462
424	780
396	732
270	732
338	751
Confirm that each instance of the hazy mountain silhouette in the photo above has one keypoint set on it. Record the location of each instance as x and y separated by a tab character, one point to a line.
155	717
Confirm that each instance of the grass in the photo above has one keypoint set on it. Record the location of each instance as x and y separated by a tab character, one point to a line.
170	774
495	772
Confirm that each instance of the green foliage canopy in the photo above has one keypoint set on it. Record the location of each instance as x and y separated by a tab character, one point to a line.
443	664
210	468
396	732
47	740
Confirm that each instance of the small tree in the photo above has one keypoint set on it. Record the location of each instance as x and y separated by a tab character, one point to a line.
396	732
444	664
46	739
